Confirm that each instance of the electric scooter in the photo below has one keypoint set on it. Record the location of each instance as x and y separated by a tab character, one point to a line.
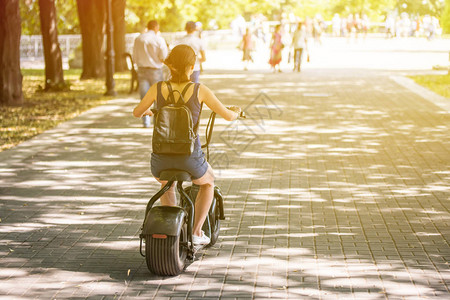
167	230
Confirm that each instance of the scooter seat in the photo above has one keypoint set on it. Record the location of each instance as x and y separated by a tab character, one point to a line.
175	175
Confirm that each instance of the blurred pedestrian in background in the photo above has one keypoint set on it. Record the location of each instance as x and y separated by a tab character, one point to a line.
390	26
247	47
357	25
336	24
199	29
276	47
365	24
350	27
344	27
318	28
299	44
149	52
192	40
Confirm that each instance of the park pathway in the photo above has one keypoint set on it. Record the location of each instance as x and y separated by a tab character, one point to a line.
337	187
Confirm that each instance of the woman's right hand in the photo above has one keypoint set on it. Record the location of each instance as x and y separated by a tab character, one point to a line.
235	109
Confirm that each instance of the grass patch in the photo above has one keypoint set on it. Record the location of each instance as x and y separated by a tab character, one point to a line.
44	110
440	84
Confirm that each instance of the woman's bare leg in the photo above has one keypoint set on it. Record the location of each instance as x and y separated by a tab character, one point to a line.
169	198
204	199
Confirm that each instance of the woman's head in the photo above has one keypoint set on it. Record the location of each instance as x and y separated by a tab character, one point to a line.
180	60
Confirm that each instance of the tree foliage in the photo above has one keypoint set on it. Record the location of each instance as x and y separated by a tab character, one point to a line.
375	9
421	7
66	13
445	17
172	14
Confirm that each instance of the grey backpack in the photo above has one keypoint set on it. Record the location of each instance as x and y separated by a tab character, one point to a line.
174	132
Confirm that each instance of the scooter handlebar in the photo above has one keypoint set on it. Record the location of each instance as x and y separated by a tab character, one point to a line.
241	115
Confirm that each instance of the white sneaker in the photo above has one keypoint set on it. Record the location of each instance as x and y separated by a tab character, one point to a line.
201	240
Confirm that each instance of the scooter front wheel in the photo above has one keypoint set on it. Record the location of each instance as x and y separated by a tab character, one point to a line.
166	256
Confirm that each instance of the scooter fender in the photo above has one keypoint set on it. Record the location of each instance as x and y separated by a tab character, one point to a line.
166	220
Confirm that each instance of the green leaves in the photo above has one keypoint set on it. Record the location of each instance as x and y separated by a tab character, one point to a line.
173	14
445	17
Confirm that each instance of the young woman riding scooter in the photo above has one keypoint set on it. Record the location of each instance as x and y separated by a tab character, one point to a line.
181	62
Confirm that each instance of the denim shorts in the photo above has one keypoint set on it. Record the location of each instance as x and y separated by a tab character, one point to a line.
195	164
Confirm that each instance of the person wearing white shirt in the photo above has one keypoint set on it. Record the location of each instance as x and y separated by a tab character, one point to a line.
149	52
336	21
299	43
195	43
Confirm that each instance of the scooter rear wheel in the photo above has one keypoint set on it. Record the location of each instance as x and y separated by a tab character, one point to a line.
215	224
166	256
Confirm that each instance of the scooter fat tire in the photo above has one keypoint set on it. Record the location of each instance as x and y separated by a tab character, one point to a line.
166	257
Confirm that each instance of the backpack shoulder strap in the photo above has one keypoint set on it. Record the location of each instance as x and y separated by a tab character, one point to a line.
170	97
158	87
183	93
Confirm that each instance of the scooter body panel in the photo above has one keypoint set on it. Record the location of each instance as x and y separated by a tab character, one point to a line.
166	220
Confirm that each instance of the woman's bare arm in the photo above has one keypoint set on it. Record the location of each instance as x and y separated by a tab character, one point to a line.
208	97
143	108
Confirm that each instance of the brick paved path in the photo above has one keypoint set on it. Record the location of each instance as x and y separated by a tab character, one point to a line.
337	188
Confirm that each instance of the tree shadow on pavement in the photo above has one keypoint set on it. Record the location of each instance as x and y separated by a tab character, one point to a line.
334	187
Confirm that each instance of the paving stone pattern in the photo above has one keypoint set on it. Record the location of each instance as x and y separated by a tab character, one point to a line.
337	187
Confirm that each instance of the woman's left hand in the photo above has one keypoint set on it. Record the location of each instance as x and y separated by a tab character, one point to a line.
148	112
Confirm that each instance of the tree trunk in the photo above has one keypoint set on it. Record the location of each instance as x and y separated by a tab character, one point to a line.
92	22
54	77
118	15
10	75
